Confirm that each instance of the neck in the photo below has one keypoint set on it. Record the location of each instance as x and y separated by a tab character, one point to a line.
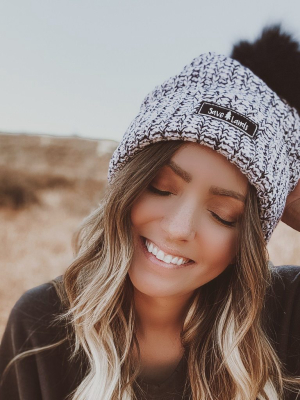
164	314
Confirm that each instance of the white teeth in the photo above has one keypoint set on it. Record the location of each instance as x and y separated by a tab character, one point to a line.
160	254
167	258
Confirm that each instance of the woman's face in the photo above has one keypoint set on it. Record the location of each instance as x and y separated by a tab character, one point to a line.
195	219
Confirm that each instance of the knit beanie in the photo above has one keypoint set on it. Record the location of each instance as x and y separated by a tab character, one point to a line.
217	102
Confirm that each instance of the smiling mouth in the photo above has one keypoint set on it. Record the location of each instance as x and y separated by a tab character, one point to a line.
170	260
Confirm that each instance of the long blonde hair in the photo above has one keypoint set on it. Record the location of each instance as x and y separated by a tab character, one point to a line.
229	354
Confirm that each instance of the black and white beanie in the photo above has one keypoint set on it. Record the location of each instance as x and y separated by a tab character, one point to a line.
217	102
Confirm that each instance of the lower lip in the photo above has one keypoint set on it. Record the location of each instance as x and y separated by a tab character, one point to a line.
151	257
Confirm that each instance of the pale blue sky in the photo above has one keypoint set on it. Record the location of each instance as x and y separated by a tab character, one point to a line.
83	67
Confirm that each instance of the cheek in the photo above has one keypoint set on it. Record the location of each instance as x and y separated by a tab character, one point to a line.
137	213
144	210
218	245
216	252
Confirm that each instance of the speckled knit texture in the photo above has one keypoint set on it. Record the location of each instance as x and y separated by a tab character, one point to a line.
269	157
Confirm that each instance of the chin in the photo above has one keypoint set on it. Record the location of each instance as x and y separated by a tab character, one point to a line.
152	286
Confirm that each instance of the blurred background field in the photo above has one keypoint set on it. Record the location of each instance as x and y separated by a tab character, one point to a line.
47	186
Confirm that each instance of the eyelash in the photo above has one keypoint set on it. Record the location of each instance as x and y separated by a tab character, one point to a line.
162	193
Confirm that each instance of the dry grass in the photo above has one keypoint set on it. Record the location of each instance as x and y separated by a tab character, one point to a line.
19	189
35	241
43	202
47	187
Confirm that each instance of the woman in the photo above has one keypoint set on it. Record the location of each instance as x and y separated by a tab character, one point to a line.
171	295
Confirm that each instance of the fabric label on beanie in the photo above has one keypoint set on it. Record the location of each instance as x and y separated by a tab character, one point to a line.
228	115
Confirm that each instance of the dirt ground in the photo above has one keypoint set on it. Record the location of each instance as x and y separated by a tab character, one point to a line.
68	177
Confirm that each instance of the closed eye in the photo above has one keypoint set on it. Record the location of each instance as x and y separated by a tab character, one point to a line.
216	216
160	192
223	221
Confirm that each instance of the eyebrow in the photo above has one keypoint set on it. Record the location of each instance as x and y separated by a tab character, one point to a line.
214	190
217	191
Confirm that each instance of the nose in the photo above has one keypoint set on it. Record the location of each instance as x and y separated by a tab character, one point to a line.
179	221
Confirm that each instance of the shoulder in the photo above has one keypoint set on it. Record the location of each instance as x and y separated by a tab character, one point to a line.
284	289
36	309
44	343
286	273
282	314
285	280
40	297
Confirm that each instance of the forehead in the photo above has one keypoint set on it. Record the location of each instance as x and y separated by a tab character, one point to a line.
204	165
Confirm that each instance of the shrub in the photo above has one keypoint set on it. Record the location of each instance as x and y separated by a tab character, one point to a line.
16	193
19	189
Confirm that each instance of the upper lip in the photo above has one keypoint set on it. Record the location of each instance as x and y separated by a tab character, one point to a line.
166	250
